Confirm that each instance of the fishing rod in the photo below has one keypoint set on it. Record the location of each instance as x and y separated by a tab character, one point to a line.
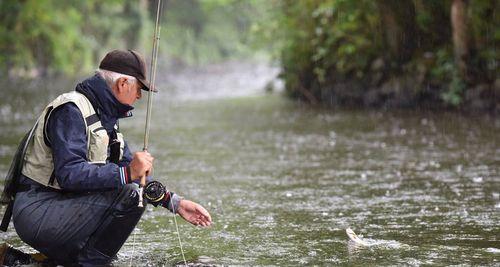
152	79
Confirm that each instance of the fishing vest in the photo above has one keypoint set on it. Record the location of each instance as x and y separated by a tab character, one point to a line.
38	161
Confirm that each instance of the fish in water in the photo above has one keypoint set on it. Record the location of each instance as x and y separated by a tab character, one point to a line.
354	237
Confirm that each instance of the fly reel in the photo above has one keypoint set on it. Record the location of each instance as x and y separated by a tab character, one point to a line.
154	192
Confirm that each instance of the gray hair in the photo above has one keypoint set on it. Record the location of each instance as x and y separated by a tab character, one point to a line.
111	77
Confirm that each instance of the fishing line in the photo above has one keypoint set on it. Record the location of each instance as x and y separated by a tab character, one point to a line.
133	249
178	234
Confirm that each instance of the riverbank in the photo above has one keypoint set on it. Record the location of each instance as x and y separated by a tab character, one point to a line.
384	54
408	91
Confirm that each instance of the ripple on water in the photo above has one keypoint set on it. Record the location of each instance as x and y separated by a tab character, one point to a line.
493	250
284	181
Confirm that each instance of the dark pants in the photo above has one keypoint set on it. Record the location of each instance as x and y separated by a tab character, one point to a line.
77	228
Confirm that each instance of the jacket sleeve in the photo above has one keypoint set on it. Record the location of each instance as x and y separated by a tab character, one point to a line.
68	139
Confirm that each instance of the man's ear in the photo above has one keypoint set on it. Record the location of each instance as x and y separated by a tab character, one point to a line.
121	84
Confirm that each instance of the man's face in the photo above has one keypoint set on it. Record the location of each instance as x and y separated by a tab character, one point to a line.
126	91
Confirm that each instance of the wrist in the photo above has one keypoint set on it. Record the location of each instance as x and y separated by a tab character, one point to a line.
172	202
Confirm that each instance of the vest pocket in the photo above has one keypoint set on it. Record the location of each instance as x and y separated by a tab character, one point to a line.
98	146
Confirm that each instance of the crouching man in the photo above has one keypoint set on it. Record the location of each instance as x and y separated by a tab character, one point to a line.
76	198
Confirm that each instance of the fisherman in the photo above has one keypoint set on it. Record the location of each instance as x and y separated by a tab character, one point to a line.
76	200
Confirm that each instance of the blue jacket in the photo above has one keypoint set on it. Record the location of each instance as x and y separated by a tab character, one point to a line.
66	133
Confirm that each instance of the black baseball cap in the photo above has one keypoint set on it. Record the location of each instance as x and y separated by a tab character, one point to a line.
127	62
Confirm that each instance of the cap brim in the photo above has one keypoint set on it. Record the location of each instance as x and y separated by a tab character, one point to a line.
147	86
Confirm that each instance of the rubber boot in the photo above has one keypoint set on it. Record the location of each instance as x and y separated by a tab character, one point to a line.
10	256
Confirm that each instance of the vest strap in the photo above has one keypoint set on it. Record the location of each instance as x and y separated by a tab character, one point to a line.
7	216
98	129
11	187
45	135
114	148
92	119
52	178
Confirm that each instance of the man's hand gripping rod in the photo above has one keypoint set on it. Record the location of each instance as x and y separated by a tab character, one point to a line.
152	76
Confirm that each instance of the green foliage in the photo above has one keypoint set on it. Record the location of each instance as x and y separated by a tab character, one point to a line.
453	95
198	32
444	66
33	33
318	38
486	28
38	37
320	43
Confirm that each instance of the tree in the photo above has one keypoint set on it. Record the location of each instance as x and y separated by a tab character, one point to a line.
463	43
400	29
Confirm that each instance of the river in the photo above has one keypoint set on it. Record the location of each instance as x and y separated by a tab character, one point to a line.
283	181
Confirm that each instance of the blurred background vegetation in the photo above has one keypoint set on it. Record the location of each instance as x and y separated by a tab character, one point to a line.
44	37
390	53
382	53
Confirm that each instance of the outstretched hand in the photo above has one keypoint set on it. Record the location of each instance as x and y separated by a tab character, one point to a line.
194	213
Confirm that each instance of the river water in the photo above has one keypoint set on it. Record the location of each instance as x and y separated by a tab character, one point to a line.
283	181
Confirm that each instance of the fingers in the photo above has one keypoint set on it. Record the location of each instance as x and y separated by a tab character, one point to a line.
201	220
144	156
141	164
204	214
203	217
194	213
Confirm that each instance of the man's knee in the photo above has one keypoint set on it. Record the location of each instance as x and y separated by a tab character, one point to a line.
116	227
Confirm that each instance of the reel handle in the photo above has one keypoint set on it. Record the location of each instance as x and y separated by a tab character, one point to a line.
142	183
141	190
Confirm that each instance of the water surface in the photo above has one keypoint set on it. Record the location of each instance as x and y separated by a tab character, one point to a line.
283	181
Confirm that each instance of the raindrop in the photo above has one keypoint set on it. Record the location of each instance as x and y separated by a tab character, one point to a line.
477	179
493	250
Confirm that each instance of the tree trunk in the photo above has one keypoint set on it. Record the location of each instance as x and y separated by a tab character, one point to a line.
462	39
399	26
